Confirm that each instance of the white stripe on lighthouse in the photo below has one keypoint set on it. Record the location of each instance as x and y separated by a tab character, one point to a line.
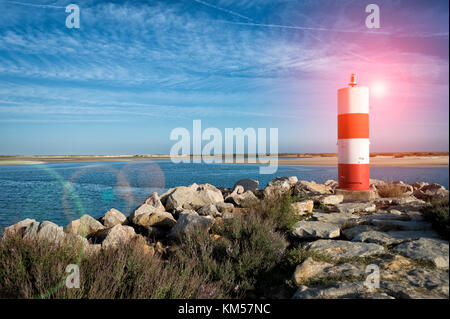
353	151
353	100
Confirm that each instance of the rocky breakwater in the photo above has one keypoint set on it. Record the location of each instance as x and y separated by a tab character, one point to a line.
337	240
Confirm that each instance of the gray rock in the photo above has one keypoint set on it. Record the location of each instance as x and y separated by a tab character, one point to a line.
245	199
340	249
155	201
434	280
392	237
350	208
384	215
248	184
45	230
192	197
428	249
114	236
18	227
156	219
336	218
353	290
403	225
431	192
351	232
188	224
314	229
113	217
84	226
279	186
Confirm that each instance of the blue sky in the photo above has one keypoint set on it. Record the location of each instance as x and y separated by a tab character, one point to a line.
136	70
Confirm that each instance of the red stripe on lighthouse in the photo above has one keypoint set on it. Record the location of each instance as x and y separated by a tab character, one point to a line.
353	125
354	176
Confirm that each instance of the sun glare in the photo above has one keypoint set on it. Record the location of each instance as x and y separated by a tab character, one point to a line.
378	89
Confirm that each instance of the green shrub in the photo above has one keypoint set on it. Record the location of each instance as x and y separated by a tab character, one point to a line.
437	214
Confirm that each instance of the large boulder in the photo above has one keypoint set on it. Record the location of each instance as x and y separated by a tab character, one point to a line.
155	201
311	188
114	236
155	219
18	227
84	226
248	184
331	199
45	230
188	224
224	207
314	229
428	249
192	197
113	217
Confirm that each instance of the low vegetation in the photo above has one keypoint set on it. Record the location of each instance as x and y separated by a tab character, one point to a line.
437	214
390	190
245	256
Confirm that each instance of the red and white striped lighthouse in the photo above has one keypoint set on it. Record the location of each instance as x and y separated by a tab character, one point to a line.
353	137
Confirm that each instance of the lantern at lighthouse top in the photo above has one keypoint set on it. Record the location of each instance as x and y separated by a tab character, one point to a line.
353	137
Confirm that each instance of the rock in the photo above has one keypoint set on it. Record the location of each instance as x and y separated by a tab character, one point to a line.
331	183
209	210
84	226
313	229
402	225
244	200
113	217
392	237
154	200
351	232
331	199
339	249
18	227
434	280
155	219
431	192
384	215
338	290
405	188
300	208
193	197
152	232
187	224
114	236
341	219
350	208
313	270
224	207
428	249
279	186
45	230
311	188
248	184
401	290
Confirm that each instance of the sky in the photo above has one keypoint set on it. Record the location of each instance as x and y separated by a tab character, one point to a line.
136	70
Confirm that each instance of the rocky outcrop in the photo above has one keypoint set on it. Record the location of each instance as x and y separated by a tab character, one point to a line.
341	249
114	236
311	188
280	186
432	250
431	192
241	198
302	207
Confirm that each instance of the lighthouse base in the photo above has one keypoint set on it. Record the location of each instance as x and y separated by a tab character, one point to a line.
350	195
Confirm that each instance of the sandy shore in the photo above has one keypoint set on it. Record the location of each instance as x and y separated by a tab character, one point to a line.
306	161
374	161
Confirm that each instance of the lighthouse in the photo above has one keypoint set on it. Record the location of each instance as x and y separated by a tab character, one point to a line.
353	138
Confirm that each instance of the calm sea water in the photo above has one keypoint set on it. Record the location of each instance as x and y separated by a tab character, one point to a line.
60	192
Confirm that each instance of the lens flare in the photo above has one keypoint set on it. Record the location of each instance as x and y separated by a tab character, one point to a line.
378	89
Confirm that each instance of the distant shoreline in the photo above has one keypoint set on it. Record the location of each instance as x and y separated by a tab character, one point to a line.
301	159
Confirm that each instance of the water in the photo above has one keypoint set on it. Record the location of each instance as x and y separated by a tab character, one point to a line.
60	192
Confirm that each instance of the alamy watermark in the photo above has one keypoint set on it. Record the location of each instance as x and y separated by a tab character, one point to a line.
73	279
373	279
73	19
217	150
